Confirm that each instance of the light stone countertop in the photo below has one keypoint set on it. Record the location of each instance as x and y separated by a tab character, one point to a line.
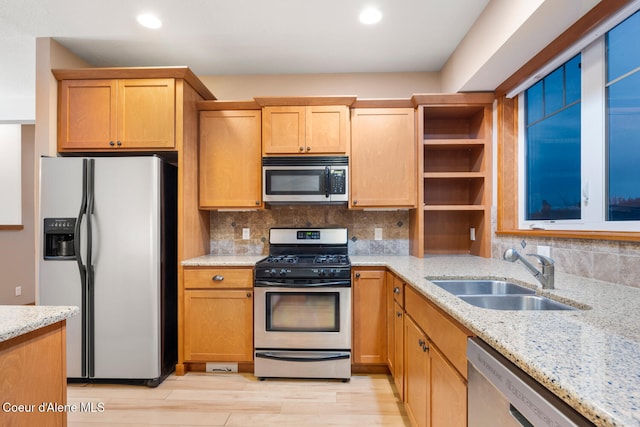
16	320
590	357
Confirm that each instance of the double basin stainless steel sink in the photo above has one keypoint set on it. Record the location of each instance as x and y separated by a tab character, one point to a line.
499	295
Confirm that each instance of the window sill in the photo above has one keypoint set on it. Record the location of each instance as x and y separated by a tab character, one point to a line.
593	235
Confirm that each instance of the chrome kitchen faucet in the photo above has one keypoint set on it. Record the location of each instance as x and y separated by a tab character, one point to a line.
545	277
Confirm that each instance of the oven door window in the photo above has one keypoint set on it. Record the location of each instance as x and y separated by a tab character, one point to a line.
295	182
303	311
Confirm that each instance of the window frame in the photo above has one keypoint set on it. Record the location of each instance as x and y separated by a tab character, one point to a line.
593	223
508	127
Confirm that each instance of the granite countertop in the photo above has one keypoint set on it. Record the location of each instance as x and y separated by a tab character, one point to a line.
588	357
16	320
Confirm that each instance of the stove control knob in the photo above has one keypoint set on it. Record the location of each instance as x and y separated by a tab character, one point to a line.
273	272
283	272
332	273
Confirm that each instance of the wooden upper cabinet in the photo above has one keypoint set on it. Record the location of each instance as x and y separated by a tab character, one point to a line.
383	158
230	159
105	114
305	129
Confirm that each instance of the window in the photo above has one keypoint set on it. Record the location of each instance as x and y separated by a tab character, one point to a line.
580	139
623	120
553	145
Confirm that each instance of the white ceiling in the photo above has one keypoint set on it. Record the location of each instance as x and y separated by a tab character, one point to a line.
217	37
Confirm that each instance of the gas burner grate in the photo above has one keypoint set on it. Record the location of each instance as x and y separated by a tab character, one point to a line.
282	259
331	259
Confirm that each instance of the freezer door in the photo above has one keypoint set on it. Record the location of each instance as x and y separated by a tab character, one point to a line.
59	280
127	267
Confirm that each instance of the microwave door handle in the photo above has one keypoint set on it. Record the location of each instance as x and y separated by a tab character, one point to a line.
327	182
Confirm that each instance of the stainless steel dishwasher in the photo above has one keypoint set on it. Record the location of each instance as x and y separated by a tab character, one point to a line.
501	394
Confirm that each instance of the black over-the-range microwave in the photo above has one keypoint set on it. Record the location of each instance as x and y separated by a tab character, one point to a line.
305	179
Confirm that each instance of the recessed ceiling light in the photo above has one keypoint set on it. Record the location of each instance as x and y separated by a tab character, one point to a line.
370	16
150	21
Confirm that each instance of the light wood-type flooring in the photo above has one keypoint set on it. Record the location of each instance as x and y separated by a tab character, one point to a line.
237	399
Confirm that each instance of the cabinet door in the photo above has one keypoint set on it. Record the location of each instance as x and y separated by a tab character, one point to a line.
417	372
448	393
398	348
383	158
283	130
87	114
146	113
327	130
218	326
230	159
369	317
391	331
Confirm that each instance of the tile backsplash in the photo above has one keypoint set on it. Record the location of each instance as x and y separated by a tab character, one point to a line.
227	228
607	260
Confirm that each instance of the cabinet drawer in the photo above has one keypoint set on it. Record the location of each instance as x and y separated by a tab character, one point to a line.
217	278
447	334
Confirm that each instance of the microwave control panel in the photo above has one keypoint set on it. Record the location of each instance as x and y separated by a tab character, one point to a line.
338	181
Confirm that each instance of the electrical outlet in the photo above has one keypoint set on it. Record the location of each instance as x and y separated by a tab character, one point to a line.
377	233
246	233
544	250
472	233
18	291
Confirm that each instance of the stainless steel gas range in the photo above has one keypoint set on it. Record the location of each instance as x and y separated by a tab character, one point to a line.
302	307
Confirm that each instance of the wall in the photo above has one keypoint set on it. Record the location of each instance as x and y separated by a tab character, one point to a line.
16	246
364	85
226	228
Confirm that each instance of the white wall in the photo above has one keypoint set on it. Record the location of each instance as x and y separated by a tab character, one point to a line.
10	178
17	246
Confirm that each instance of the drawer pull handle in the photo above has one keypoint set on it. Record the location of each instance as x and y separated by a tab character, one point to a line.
217	278
248	294
357	275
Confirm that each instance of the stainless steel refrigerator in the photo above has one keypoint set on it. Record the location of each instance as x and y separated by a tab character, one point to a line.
109	246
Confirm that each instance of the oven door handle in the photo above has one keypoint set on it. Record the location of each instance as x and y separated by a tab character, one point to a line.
302	357
336	284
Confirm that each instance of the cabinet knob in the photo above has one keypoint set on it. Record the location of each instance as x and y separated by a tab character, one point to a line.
248	294
217	278
119	143
399	314
420	342
425	348
355	202
111	143
257	202
357	275
396	290
301	148
308	148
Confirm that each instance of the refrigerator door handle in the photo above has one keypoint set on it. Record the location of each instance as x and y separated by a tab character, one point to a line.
90	276
81	266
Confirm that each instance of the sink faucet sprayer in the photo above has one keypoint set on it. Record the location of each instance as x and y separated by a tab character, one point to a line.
545	277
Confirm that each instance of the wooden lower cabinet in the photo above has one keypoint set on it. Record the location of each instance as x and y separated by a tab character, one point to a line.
448	393
416	374
369	338
395	330
218	315
398	349
435	372
34	373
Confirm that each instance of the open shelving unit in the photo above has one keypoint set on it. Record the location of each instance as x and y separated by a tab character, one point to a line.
454	215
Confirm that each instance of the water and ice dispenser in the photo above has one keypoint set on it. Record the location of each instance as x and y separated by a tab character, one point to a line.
59	235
